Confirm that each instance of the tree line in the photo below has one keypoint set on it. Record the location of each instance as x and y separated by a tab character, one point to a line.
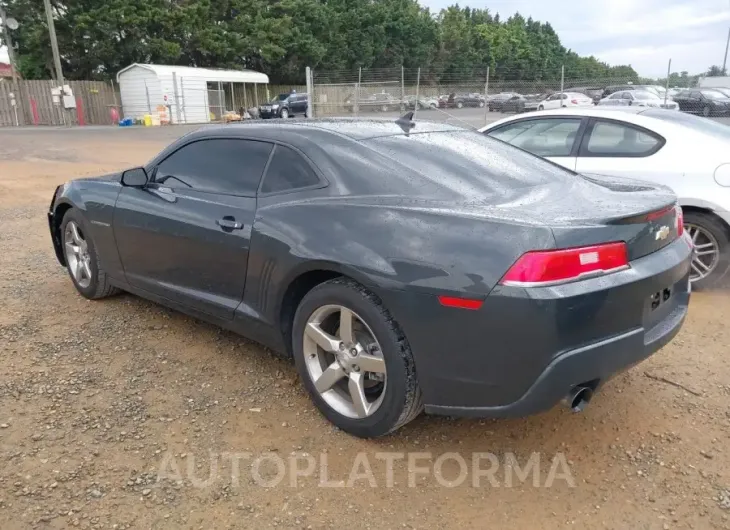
97	38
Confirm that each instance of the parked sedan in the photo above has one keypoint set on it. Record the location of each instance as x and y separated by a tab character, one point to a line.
638	98
386	257
382	102
497	101
565	99
705	101
685	152
465	100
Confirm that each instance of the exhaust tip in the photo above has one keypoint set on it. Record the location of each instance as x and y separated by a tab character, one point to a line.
578	398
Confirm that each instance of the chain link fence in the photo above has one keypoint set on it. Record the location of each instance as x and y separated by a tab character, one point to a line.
441	93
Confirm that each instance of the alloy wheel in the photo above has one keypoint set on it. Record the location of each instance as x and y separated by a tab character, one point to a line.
344	361
78	258
706	252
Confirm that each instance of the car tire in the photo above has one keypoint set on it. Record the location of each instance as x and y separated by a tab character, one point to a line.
719	232
707	112
94	283
400	400
540	107
459	105
284	114
481	104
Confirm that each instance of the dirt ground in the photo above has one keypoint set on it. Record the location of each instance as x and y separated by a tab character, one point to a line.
123	414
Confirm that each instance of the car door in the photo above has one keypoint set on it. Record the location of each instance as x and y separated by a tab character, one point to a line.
617	148
553	102
694	101
186	235
554	138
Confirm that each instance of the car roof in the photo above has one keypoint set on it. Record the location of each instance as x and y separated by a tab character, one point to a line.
354	128
628	114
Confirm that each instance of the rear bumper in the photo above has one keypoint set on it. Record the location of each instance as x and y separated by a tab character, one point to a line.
525	349
590	365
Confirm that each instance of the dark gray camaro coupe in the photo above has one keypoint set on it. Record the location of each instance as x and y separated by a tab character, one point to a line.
403	265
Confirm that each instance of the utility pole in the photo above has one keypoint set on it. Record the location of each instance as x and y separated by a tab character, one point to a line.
8	42
54	42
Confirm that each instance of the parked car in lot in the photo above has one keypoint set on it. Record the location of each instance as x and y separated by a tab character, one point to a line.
465	100
723	90
382	102
496	102
638	98
383	256
565	99
705	101
284	106
595	93
424	102
532	101
687	153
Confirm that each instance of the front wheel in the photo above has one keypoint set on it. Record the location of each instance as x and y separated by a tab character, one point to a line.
354	360
540	107
706	112
459	105
82	260
711	259
481	104
284	114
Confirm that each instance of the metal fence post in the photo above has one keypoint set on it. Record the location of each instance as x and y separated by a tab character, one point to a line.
666	88
233	98
176	96
357	91
147	93
562	84
403	90
256	94
310	87
418	86
221	104
182	95
486	96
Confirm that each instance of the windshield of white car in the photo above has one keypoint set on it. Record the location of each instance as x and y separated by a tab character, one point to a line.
695	123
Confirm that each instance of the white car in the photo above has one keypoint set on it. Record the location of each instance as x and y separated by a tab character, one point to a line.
689	154
638	98
565	99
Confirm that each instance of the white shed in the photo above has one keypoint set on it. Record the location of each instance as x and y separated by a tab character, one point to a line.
191	95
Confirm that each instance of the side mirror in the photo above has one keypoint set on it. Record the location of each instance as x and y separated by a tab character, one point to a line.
135	178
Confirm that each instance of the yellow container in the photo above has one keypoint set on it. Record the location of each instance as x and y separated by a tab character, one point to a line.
147	120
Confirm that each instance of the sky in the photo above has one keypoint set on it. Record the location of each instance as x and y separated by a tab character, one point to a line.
642	33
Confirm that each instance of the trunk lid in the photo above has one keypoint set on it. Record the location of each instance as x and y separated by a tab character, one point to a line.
601	209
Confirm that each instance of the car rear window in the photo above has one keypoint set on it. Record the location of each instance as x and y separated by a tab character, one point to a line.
469	162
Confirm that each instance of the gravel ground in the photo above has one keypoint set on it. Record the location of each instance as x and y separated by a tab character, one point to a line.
123	414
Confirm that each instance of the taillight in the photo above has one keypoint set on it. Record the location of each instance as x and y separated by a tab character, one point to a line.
680	220
548	267
574	101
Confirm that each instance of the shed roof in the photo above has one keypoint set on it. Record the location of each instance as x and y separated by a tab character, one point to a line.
209	74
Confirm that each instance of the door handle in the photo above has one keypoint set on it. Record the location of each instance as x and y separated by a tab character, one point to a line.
229	223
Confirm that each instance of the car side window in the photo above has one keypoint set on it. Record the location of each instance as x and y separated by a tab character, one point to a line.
616	95
626	95
695	94
219	165
544	137
288	170
612	139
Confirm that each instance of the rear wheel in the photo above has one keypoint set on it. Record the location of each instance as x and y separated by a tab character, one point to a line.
481	104
540	107
711	261
354	360
459	105
82	260
706	112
